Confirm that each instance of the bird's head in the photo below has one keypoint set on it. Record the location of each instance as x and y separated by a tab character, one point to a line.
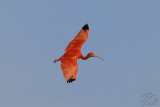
91	54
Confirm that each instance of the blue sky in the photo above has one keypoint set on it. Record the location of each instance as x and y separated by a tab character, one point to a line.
35	32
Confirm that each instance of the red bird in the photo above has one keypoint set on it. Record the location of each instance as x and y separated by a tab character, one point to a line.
69	64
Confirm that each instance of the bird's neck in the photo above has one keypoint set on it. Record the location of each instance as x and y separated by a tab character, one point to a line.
84	57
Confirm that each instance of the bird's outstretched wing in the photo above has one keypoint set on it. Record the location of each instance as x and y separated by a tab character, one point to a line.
79	40
69	67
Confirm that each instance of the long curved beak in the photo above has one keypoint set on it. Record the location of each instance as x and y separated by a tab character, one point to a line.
99	57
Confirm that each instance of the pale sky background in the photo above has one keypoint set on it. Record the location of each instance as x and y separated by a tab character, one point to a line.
126	33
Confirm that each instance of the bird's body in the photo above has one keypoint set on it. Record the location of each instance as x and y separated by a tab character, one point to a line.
69	64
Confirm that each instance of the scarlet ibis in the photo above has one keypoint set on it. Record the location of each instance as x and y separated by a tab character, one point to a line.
69	64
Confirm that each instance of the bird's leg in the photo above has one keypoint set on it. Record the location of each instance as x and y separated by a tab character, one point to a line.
56	60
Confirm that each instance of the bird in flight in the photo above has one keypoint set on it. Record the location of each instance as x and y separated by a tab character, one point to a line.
69	64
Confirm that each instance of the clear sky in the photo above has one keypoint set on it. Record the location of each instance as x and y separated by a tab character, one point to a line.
126	33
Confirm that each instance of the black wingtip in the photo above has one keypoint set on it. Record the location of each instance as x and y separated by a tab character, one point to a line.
85	27
71	80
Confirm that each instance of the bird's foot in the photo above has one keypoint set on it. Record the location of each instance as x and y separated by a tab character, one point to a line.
55	60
